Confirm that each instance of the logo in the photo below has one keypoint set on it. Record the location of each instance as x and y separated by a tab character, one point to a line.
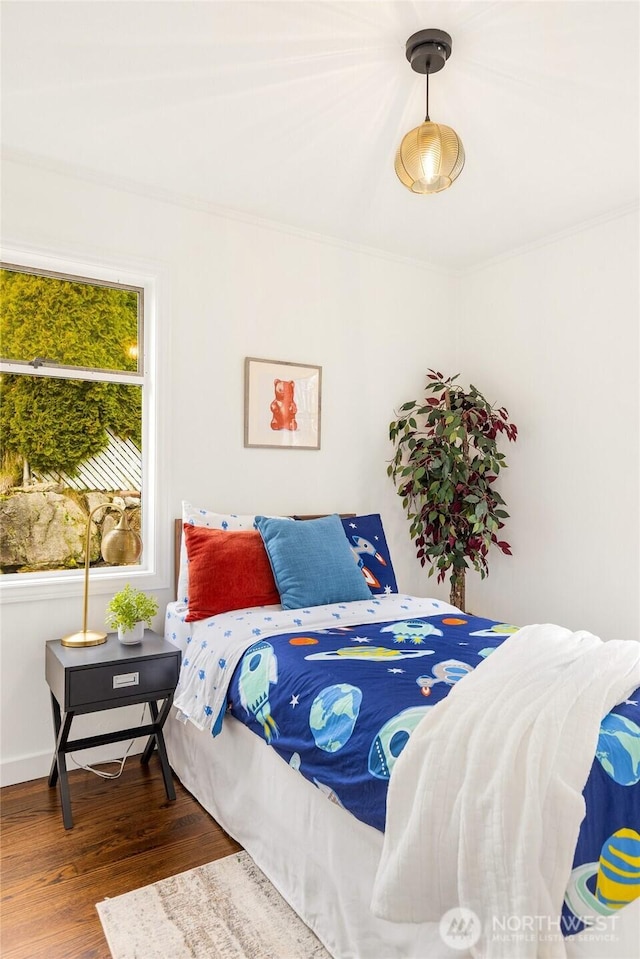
460	928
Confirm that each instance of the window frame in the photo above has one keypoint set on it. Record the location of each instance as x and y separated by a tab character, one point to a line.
153	572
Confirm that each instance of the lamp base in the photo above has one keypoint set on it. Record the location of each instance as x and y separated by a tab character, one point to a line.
86	637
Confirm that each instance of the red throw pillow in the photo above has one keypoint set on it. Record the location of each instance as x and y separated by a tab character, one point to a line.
227	570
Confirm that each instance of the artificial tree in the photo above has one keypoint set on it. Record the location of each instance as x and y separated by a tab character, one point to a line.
445	467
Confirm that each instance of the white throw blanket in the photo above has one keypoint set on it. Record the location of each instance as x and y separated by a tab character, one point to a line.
485	802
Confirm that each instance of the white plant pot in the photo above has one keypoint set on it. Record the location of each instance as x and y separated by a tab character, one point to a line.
131	636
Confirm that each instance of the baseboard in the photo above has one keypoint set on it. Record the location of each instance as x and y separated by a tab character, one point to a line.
36	766
22	770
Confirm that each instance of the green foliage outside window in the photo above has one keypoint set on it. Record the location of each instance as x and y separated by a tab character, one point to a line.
56	424
74	324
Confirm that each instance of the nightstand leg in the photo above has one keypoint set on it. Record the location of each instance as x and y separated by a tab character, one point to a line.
55	709
157	739
151	742
67	818
59	765
166	769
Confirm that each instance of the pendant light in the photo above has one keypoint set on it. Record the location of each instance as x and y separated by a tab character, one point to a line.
431	156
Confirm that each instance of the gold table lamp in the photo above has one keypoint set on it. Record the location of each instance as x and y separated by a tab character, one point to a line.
121	546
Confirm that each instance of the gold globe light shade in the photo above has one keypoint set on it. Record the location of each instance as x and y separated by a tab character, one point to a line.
429	158
121	546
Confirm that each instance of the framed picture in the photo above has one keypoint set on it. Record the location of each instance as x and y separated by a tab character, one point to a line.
282	404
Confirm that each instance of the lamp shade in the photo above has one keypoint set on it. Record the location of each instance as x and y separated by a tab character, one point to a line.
429	158
121	546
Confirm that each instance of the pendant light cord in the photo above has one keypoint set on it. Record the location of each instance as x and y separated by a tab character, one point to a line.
426	119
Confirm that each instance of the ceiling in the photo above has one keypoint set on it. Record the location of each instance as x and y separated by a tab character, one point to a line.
292	111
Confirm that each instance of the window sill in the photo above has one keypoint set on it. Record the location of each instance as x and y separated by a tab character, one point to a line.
34	587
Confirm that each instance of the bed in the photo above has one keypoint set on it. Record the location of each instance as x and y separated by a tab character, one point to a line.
271	697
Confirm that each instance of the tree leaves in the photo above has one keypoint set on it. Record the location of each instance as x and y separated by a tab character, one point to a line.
56	424
446	464
75	324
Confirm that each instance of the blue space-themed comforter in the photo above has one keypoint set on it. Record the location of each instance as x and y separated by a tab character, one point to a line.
339	704
338	690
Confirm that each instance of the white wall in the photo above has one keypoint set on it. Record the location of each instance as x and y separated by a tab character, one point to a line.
553	335
229	289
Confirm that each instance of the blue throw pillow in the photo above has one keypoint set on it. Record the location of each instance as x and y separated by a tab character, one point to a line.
311	561
369	544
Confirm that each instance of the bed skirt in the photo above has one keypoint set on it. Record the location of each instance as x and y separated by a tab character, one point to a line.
318	856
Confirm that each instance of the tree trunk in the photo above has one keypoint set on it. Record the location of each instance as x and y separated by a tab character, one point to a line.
456	596
26	472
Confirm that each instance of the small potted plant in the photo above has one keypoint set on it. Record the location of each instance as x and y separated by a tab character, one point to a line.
129	612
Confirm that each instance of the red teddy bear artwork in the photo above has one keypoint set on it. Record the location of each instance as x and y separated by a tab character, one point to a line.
283	406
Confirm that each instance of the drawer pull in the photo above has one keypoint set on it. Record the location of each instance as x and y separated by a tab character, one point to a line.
126	679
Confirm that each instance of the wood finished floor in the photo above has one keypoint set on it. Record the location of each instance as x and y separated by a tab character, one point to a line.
126	834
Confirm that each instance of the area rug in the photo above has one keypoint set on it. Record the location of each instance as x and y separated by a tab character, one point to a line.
227	909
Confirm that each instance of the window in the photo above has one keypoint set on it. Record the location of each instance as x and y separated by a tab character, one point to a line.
72	417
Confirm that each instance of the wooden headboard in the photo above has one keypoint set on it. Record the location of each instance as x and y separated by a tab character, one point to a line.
177	540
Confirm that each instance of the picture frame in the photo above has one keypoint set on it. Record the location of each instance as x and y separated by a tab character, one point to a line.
282	404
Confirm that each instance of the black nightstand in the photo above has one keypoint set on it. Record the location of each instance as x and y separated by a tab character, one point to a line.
92	678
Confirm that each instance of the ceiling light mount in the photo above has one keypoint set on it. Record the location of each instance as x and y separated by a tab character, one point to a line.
428	50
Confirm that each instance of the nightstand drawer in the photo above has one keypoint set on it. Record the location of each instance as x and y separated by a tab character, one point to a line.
113	681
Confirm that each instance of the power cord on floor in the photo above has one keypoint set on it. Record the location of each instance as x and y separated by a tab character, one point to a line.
109	762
